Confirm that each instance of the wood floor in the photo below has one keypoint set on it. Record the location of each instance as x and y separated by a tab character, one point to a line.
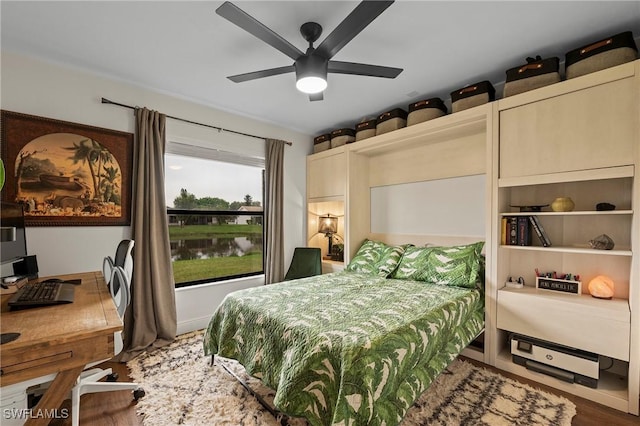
118	408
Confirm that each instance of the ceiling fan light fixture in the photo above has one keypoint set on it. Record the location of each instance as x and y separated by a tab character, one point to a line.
311	84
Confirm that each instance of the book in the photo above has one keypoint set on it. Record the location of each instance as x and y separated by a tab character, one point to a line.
512	226
503	230
539	230
524	231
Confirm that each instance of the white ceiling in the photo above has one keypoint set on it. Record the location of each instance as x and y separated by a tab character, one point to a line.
185	49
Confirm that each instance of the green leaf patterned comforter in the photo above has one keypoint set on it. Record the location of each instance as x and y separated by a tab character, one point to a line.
346	348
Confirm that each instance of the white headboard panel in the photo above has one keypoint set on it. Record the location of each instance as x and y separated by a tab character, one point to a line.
443	208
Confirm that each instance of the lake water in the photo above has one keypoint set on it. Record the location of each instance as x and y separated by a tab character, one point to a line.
214	247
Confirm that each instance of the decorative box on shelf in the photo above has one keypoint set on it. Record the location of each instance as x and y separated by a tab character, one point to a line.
321	143
562	286
391	120
340	137
366	129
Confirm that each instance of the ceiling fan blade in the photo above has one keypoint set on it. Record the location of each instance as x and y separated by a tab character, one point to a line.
357	20
316	97
239	78
234	14
363	69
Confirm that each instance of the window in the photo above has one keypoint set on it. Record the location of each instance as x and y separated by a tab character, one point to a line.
215	214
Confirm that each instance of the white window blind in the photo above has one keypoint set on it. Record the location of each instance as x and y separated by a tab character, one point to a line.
216	154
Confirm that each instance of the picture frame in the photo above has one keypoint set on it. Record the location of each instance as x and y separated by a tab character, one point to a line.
64	173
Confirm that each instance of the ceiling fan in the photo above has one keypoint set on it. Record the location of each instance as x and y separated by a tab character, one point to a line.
311	67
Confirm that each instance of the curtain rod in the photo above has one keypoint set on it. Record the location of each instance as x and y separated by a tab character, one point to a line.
220	129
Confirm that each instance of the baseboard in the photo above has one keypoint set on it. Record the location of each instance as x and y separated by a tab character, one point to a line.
193	324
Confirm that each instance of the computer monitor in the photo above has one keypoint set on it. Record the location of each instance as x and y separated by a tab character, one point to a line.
13	238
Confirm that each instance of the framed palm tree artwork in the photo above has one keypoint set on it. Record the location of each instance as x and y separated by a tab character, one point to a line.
66	174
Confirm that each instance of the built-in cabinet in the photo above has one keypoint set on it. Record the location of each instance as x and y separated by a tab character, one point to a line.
576	139
580	124
326	191
326	174
579	138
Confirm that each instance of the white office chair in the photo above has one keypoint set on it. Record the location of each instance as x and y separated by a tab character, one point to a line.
123	258
88	382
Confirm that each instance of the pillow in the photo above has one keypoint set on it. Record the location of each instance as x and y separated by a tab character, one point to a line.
376	258
459	266
413	260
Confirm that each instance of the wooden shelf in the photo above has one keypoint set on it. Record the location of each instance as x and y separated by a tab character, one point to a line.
452	126
327	199
574	250
572	176
572	213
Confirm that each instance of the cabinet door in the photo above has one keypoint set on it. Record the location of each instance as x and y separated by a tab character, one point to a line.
326	176
586	129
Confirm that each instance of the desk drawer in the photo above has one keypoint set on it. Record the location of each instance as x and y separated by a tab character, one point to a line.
24	363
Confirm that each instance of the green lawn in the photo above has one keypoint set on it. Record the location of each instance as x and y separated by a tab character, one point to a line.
195	269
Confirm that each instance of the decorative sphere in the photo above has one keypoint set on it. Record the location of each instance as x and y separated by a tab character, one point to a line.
601	287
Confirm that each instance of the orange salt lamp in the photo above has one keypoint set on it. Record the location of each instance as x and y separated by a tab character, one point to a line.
601	287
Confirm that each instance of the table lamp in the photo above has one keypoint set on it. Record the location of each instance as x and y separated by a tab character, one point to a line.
328	225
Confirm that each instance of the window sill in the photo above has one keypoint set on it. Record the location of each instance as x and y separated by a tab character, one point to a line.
258	279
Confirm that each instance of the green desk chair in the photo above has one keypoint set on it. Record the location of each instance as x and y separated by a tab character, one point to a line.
306	262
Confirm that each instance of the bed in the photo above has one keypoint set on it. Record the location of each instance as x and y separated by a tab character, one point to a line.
359	346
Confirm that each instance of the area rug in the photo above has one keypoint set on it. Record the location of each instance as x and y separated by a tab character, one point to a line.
182	388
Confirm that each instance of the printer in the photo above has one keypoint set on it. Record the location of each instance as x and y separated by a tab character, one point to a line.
562	362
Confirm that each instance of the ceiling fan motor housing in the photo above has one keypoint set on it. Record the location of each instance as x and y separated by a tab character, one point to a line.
312	67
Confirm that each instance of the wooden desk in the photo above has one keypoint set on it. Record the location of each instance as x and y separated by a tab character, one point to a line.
59	339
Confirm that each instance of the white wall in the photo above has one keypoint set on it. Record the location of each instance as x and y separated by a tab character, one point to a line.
32	86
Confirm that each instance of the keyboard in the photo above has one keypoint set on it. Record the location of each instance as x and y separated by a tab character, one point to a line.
42	294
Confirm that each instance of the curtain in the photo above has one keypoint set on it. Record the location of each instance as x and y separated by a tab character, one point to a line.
274	161
151	320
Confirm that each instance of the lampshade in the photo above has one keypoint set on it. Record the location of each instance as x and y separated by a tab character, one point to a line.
311	74
328	224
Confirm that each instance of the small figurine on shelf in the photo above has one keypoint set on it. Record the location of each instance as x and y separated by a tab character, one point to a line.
519	283
603	207
602	242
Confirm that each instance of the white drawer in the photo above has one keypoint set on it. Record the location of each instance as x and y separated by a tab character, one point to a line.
582	322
